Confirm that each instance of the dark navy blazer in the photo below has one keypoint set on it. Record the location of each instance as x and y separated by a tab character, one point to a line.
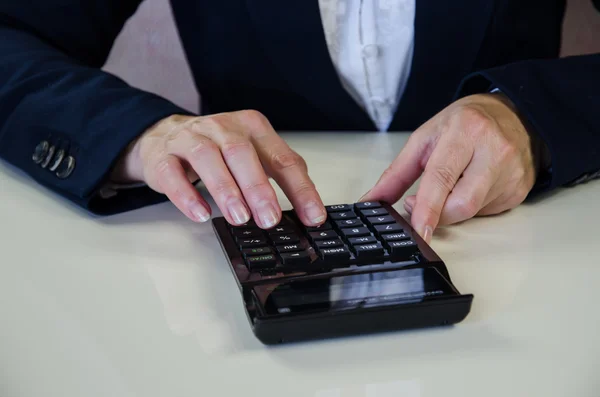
271	55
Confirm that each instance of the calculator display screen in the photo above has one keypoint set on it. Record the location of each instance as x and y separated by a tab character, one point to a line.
355	291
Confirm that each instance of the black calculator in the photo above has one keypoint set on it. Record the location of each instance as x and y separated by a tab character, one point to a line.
365	270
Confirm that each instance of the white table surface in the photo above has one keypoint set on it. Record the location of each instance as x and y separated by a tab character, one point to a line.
143	303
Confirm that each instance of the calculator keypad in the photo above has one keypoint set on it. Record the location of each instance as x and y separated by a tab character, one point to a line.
358	234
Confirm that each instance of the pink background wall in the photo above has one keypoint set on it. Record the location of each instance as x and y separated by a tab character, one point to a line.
148	53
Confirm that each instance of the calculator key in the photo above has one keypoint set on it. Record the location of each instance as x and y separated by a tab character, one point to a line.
324	226
335	253
252	242
367	204
295	258
329	243
368	250
338	216
285	239
356	232
338	208
289	248
362	240
324	235
256	251
242	234
349	222
406	247
381	220
261	261
281	230
391	228
395	237
374	212
249	225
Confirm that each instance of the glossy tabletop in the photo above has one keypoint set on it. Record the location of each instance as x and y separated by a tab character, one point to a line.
143	303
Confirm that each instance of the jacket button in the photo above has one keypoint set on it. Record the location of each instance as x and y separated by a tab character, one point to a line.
40	152
49	156
60	155
66	167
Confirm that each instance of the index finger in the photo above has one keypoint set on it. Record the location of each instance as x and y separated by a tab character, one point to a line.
287	168
445	166
290	172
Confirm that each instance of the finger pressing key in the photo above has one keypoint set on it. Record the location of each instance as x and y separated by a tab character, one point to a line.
205	158
245	167
170	178
291	173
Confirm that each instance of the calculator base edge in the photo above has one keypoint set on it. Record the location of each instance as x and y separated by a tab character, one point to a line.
363	322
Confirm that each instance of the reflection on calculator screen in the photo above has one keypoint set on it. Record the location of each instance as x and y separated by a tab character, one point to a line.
362	290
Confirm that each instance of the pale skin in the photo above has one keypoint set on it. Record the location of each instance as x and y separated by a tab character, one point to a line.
474	159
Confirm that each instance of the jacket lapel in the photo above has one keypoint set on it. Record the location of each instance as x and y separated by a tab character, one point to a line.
292	34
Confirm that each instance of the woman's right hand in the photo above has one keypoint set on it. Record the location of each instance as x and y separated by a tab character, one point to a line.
234	154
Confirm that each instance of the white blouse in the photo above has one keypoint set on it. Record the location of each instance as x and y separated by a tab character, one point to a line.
371	46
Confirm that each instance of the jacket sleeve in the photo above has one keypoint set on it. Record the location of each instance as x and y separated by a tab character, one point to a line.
63	121
560	100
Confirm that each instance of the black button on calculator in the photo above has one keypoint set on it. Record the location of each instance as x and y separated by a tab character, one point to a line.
335	253
329	243
374	212
338	216
295	258
386	229
285	239
261	261
405	247
252	242
367	205
324	235
369	250
356	232
338	208
349	222
381	220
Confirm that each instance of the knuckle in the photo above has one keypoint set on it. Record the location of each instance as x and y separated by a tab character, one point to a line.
164	165
467	206
521	194
287	159
305	188
506	150
254	118
262	185
475	120
224	187
444	177
234	147
201	146
215	122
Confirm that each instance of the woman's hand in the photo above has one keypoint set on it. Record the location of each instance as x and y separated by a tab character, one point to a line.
234	154
475	158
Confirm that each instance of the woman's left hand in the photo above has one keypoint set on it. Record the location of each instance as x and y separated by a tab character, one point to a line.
475	158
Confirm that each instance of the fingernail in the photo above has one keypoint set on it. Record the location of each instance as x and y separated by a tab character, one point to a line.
267	215
238	212
315	212
427	234
199	212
